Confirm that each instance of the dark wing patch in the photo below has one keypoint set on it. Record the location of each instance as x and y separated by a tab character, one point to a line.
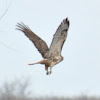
37	41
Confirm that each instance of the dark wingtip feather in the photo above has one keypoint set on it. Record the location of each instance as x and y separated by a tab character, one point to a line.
19	29
67	21
21	26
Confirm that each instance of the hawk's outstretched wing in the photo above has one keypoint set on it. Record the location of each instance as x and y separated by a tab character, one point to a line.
59	38
38	42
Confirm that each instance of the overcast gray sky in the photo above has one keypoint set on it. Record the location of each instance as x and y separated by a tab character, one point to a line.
79	72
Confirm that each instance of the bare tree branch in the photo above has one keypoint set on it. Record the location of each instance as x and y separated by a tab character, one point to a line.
6	10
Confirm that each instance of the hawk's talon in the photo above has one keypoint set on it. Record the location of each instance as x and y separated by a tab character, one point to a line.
48	73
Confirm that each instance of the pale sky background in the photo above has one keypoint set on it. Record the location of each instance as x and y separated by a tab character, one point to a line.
79	72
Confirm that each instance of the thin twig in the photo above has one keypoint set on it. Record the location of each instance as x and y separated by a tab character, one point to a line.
10	47
6	10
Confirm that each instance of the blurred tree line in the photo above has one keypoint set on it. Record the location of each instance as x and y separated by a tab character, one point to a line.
18	90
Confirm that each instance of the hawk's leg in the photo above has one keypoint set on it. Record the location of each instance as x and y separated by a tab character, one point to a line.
50	70
46	68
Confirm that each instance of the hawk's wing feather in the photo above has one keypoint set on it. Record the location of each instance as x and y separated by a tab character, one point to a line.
38	42
59	38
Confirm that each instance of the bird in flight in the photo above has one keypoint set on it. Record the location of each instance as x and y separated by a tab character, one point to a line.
52	55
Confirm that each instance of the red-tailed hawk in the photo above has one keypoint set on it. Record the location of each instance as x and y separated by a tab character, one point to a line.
52	55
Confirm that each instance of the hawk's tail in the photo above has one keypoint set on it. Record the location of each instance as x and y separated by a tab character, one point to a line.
44	61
